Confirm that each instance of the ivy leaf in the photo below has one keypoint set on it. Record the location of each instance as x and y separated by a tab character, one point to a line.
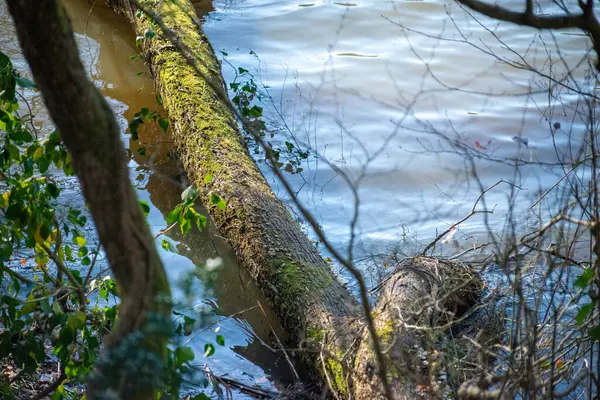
595	333
184	223
149	33
163	123
14	152
184	354
69	253
165	244
21	136
13	212
255	112
7	80
83	251
56	308
173	215
45	306
200	219
189	194
209	350
52	190
134	127
79	240
583	313
145	207
221	340
584	279
76	319
214	198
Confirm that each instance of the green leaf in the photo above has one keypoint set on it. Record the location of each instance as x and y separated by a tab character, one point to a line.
163	123
189	194
52	190
221	340
255	112
165	244
25	82
134	127
21	136
221	205
85	261
209	350
595	333
45	306
184	354
79	240
28	308
200	219
45	229
82	252
133	57
56	308
14	211
145	207
43	164
184	223
208	178
215	198
584	312
174	214
149	33
584	279
76	319
201	396
69	253
7	80
14	152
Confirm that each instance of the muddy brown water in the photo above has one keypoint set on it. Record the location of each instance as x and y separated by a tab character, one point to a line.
349	79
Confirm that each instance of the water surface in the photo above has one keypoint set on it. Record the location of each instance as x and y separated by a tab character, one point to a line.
383	81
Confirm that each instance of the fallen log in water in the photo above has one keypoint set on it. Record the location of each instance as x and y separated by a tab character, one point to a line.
315	309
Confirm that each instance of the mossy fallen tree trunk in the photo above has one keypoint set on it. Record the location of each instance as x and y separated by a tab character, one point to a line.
316	310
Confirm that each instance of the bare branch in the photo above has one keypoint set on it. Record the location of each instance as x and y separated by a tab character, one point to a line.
586	20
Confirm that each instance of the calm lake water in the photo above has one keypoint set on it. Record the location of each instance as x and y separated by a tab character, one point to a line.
372	82
383	82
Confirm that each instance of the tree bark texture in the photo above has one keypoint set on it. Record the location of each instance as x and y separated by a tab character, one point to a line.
90	132
310	302
314	308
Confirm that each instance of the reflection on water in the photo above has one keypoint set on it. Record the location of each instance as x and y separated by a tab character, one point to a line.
107	46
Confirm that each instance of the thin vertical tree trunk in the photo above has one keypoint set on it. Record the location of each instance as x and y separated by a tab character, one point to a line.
90	132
